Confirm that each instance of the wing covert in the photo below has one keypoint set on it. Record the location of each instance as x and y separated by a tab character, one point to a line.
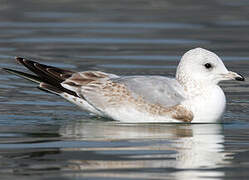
154	89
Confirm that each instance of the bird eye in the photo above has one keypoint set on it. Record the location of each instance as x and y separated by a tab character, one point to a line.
208	65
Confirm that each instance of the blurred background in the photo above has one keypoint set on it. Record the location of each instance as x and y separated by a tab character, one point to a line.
44	137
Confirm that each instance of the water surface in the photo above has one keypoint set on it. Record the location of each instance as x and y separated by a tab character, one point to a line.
44	137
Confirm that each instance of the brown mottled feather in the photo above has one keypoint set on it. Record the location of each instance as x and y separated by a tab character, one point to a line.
85	78
117	94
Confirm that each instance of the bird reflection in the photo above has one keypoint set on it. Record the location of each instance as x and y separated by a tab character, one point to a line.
180	150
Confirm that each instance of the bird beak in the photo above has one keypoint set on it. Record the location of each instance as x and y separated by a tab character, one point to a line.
233	76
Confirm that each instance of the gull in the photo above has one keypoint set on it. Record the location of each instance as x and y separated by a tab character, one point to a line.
193	96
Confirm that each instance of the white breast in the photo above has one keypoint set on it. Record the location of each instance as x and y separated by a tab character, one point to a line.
209	106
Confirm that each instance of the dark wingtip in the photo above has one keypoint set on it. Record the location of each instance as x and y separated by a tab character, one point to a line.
240	78
7	70
4	69
19	59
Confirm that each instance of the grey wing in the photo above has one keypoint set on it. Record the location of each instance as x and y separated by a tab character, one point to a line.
109	94
154	89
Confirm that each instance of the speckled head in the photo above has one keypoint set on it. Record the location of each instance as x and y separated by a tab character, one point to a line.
203	66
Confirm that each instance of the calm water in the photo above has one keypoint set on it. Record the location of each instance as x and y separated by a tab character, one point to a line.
45	137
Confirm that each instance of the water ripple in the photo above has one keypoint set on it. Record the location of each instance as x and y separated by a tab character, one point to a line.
166	25
102	40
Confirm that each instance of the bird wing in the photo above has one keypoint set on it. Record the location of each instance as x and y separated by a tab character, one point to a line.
156	95
151	94
155	89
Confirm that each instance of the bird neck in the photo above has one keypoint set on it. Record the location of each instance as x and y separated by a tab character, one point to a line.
193	87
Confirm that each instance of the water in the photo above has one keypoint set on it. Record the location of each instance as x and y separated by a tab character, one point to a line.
45	137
